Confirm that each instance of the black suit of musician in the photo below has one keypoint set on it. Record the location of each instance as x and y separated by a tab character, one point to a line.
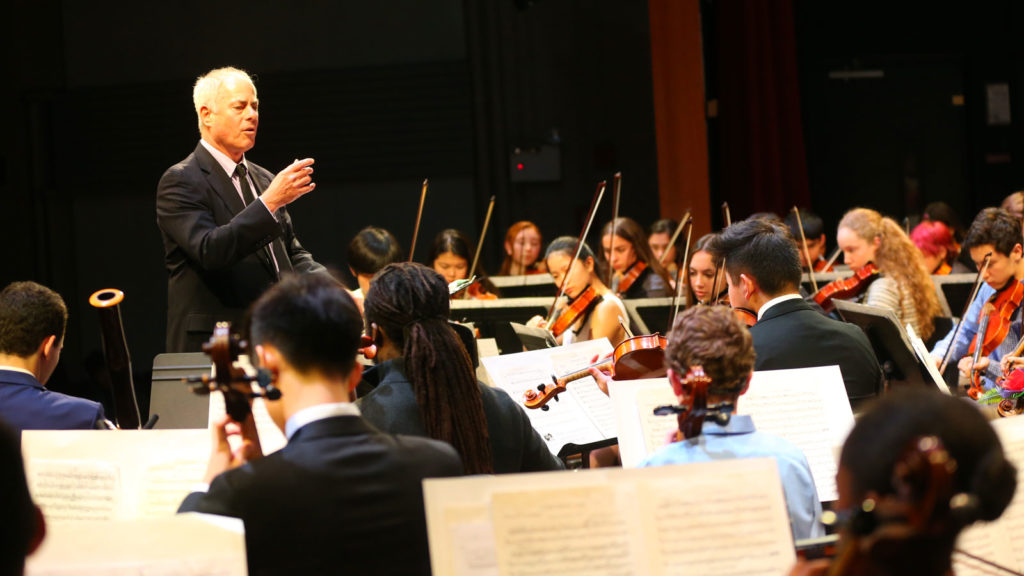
227	235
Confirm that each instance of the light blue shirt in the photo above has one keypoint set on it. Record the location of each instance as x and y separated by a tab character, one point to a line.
739	439
970	328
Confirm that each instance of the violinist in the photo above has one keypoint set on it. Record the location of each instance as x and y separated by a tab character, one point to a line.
370	250
590	310
636	273
762	269
32	324
994	231
916	511
450	256
702	271
427	386
814	231
522	250
658	237
903	284
341	495
711	337
938	248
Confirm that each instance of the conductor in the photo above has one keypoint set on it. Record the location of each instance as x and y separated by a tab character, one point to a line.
227	235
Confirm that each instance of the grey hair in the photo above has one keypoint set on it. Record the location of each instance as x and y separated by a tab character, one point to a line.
207	85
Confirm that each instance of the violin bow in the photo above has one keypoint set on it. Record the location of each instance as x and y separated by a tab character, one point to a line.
579	245
419	218
675	236
616	191
727	218
963	315
687	219
832	259
807	253
480	242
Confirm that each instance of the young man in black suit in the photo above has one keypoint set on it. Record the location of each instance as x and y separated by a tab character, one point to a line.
341	496
763	273
226	232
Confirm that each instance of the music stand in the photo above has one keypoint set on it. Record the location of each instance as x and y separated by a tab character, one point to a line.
177	405
532	285
956	290
901	366
650	315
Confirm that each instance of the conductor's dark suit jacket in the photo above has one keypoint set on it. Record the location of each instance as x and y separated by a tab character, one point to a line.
791	334
340	498
213	247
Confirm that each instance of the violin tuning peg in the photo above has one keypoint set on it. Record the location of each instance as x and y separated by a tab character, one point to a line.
545	407
542	387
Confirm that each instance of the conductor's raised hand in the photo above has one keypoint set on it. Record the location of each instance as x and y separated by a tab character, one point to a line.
289	185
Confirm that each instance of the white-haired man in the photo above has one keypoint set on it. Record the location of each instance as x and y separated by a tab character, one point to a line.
227	235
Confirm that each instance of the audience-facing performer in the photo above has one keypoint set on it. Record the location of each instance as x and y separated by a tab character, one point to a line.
427	386
32	323
636	273
704	276
938	248
450	256
763	273
903	284
522	250
658	237
994	231
340	494
222	247
23	526
595	309
814	232
713	338
907	495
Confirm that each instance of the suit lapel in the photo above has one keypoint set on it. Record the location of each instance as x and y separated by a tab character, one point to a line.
219	180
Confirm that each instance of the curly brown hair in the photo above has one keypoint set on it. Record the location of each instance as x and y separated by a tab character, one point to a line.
712	337
898	258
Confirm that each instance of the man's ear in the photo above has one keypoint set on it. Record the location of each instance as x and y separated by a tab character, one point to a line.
749	285
46	346
269	357
746	385
204	114
1017	251
677	383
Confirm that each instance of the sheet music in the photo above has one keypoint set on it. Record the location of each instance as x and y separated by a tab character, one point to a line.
615	521
807	407
925	358
271	437
75	489
187	545
581	415
113	474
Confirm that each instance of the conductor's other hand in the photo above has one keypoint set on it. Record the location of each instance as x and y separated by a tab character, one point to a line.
289	185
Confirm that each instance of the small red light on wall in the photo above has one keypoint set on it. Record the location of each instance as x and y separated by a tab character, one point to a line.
519	166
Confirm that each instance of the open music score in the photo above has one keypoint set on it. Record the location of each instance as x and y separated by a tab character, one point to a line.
806	406
582	414
113	474
705	518
998	541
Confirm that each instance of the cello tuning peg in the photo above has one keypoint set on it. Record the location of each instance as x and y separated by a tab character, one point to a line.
542	387
545	407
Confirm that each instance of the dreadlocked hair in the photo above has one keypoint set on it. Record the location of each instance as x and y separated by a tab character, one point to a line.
410	303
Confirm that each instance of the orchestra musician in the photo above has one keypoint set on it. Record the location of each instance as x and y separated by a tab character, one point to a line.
427	385
594	308
24	527
704	276
33	319
938	248
370	250
903	283
658	237
994	231
903	517
713	338
523	242
636	273
814	231
341	495
450	255
226	231
762	270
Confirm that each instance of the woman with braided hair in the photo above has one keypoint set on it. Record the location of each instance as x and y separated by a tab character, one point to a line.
427	386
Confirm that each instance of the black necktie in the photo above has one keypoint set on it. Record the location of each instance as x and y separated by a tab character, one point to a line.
243	179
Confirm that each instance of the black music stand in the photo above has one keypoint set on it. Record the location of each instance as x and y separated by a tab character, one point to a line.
956	290
530	338
174	401
650	315
901	366
532	285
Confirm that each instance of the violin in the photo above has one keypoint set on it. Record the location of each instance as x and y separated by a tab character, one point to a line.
630	277
634	358
745	315
578	308
694	409
229	377
846	288
822	265
944	269
993	326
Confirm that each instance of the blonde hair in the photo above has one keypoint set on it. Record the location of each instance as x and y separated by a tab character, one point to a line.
205	90
898	258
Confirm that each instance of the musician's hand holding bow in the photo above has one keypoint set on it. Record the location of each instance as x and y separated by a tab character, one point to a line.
537	322
222	456
966	365
289	185
1009	363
